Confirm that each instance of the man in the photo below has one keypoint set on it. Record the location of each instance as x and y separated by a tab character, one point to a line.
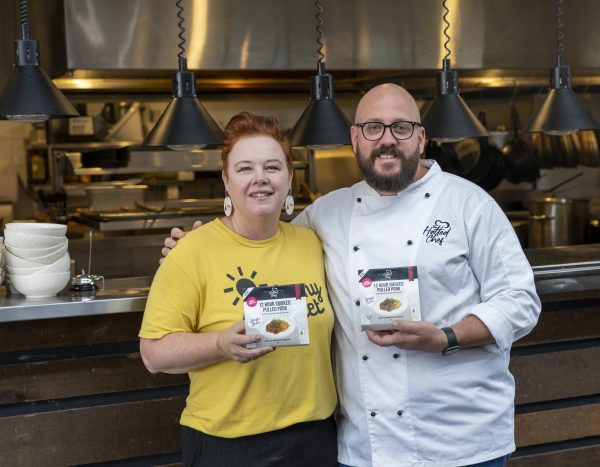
407	396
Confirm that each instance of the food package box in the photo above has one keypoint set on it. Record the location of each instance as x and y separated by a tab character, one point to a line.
388	295
278	314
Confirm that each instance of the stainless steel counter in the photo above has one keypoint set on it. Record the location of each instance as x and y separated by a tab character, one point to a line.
120	296
566	272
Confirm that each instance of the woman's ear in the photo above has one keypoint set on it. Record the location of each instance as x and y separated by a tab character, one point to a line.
224	178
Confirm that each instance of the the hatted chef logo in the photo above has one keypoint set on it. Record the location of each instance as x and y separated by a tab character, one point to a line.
438	232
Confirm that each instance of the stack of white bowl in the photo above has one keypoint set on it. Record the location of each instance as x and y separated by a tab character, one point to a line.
1	260
37	258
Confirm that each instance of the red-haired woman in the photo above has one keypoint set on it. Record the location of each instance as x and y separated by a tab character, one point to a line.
247	406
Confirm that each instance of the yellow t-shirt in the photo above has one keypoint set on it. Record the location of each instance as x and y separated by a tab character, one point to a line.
198	289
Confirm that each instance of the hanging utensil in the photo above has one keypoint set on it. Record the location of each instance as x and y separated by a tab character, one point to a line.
521	164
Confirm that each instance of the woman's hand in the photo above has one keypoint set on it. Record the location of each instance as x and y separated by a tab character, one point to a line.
231	344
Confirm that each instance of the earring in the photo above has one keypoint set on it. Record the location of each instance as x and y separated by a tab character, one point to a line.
289	204
227	205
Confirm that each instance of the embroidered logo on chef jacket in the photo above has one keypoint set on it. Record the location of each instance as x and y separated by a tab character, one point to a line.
437	233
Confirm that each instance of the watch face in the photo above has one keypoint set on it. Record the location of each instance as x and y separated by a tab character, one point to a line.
450	350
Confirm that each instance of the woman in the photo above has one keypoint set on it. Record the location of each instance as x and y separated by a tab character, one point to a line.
246	406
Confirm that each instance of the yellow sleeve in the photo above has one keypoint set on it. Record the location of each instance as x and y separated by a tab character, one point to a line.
174	302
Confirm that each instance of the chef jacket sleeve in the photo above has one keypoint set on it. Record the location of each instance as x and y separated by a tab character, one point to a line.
303	219
509	304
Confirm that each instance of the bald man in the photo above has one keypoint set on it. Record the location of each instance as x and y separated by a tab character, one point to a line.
436	391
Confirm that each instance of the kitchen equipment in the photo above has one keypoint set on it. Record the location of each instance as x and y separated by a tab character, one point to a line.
481	162
551	192
87	283
495	174
521	164
445	155
558	221
115	196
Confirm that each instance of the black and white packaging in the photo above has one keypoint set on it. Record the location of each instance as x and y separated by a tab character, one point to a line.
388	295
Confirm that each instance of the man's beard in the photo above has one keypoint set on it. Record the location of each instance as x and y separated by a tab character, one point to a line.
388	183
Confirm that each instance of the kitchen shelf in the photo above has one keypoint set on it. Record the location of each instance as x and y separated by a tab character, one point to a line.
164	168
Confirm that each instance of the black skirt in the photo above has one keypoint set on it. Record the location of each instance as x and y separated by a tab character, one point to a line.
306	444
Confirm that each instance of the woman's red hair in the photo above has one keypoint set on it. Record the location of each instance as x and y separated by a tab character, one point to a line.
246	124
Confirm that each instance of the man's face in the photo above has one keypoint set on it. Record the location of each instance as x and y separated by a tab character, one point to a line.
387	168
388	165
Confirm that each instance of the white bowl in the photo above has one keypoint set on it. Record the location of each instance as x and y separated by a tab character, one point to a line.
19	239
56	230
62	264
17	262
40	285
46	260
34	254
20	271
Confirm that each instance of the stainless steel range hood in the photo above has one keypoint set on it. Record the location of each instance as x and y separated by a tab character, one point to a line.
271	44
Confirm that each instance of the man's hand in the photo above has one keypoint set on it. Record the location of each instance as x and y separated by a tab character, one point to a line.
171	242
411	335
231	344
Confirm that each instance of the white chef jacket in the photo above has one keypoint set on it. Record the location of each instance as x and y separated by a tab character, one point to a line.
412	408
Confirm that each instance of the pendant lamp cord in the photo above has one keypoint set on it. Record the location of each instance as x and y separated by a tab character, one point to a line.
24	18
446	27
321	61
181	45
560	48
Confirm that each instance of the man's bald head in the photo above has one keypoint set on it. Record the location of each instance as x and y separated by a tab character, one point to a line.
387	102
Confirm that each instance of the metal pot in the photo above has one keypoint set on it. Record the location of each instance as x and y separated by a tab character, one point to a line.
558	221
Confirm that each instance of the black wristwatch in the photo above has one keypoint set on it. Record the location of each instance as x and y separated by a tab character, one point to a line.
453	346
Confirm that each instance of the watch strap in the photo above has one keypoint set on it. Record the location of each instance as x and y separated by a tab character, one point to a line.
452	342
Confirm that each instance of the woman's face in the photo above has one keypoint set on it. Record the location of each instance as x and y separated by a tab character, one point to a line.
257	178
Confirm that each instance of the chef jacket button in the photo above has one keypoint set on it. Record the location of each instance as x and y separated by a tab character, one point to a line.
427	195
399	413
358	200
357	302
395	355
355	248
409	242
373	414
364	357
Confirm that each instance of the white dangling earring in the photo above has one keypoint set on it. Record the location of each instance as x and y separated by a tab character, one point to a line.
289	204
227	205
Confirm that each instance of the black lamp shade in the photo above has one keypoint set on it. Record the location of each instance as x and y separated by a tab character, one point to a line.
29	91
322	123
562	111
448	118
185	122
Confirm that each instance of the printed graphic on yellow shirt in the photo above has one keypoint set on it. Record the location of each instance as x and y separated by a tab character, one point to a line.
314	292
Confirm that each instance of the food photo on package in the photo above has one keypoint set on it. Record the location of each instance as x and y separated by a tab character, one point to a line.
387	295
278	314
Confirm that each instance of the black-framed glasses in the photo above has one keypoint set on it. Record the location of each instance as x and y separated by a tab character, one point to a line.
401	129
